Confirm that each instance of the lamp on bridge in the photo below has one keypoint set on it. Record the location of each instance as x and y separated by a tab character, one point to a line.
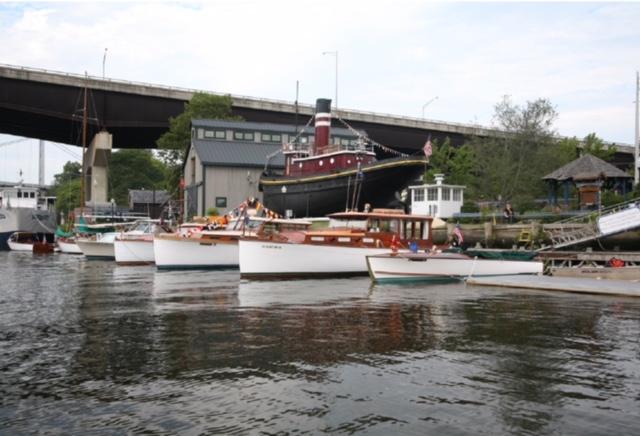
427	104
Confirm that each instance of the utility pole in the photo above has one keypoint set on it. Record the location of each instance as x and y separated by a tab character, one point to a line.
636	154
41	164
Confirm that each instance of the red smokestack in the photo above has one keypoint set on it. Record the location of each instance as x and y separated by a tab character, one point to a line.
323	125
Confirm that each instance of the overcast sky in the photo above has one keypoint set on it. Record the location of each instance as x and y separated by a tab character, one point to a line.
393	56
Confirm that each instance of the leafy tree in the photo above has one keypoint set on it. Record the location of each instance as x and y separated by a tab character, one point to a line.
66	187
455	163
595	146
134	169
510	167
174	143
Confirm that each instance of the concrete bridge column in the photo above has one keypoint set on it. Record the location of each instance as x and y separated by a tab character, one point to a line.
96	170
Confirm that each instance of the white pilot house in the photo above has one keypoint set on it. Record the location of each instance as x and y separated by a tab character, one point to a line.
437	200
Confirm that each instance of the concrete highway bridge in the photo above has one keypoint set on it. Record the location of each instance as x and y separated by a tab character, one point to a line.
48	105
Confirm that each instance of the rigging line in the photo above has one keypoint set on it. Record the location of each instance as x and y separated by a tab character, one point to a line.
366	138
13	141
69	152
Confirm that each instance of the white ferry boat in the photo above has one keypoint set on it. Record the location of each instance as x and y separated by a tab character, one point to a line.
24	209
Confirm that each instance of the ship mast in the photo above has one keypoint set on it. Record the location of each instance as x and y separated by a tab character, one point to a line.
84	144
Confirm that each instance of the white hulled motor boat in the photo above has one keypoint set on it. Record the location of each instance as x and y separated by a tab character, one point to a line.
98	246
446	266
339	250
135	246
196	247
24	210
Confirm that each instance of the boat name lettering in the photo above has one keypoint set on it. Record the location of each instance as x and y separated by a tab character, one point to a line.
271	246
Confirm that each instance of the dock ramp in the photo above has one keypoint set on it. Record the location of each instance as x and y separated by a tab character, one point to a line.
590	226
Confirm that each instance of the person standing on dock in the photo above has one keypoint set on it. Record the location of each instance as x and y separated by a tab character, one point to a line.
508	214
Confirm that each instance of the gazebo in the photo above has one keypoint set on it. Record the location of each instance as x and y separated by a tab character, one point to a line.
590	175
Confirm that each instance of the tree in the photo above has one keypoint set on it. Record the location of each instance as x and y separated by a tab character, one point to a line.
510	167
455	163
134	169
174	144
595	146
66	187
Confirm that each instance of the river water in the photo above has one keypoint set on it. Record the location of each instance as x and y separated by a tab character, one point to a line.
87	347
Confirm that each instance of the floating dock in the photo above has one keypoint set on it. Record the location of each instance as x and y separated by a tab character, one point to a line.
564	284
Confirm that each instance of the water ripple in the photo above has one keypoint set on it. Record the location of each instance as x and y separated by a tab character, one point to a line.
91	347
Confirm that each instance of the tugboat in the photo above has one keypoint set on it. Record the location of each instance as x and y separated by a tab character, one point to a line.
323	178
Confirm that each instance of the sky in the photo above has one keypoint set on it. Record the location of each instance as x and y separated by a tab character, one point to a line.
451	60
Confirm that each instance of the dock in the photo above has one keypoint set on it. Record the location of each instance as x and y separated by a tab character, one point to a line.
563	284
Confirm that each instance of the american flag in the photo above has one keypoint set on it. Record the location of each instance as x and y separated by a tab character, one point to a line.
458	234
428	150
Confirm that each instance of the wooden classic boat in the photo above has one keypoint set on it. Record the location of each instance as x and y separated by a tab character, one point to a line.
339	250
322	178
447	266
135	246
195	247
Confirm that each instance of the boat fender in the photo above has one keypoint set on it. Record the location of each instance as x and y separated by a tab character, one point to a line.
616	263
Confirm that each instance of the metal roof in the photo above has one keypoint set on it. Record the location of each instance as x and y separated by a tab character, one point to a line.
586	167
237	153
268	127
147	196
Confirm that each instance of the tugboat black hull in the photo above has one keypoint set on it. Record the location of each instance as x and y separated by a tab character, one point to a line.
322	194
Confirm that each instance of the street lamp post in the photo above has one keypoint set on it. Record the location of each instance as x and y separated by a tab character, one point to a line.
104	60
427	104
334	53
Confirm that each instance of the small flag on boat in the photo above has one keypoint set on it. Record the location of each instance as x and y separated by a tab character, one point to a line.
458	234
428	150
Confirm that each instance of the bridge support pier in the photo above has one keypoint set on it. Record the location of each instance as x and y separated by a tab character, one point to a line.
95	169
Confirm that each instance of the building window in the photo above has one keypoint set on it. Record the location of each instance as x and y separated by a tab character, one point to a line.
457	194
221	201
418	195
432	194
200	133
446	194
218	134
193	170
243	136
270	137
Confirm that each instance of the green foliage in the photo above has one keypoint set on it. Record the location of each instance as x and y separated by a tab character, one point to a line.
67	195
212	211
455	163
595	146
609	198
70	171
174	144
510	167
66	187
134	169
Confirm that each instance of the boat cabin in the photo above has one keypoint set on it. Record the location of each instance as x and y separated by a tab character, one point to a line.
376	229
322	157
23	197
438	200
